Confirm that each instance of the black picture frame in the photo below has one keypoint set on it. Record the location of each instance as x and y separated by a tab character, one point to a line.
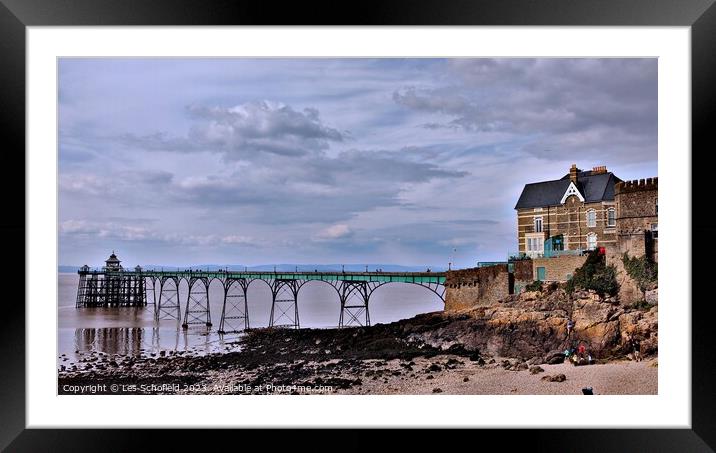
16	15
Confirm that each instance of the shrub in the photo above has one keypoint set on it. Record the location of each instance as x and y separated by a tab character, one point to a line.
595	275
644	271
642	305
534	286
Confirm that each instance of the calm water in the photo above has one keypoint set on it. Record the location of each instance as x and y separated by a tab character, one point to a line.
134	331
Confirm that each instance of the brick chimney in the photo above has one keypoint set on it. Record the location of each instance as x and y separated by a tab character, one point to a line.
599	170
573	173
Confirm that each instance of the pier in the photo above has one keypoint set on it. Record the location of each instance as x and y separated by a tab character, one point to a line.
114	286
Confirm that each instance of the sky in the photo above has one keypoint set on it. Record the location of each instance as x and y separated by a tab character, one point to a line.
397	161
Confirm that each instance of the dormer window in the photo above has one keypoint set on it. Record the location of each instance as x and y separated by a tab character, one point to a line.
572	190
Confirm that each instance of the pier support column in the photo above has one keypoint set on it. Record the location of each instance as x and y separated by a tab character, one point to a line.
235	311
197	303
284	303
150	291
168	305
354	297
82	291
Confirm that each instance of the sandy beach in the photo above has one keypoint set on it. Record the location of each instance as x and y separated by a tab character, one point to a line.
614	378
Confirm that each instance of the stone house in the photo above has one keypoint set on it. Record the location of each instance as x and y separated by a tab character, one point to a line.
574	213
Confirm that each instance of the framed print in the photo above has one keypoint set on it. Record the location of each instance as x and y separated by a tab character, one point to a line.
234	222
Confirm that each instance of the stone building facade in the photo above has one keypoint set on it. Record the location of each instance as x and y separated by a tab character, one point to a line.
637	205
576	212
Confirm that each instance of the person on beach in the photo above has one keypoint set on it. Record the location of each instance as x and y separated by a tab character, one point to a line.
570	327
636	347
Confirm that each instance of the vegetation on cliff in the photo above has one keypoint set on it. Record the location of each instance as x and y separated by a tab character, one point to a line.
643	270
595	275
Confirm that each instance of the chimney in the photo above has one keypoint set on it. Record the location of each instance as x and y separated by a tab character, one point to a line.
573	173
599	170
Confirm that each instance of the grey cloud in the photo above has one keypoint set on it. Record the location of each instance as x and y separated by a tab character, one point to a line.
119	231
313	189
614	99
247	130
115	184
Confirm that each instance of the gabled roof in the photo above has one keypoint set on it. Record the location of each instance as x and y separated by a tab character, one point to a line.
593	187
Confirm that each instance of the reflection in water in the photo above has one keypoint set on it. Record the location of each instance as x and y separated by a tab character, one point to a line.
111	340
131	340
135	330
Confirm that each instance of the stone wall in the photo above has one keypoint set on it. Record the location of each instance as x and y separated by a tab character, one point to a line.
523	275
476	287
523	271
558	268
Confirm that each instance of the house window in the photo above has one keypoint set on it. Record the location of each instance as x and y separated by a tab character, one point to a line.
611	217
538	224
656	206
591	218
591	241
655	230
535	245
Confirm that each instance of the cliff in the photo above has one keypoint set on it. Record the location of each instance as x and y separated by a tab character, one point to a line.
533	325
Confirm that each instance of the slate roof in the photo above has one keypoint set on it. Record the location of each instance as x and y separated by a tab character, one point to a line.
593	187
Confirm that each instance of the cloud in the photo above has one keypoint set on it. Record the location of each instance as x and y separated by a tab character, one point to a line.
108	231
555	106
247	131
129	183
104	230
235	239
313	189
333	232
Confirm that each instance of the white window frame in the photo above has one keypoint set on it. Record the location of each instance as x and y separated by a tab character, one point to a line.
589	236
541	224
594	213
611	221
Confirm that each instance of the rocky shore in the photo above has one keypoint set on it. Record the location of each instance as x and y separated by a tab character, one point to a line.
515	346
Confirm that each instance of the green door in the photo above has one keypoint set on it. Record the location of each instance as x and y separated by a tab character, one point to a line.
540	274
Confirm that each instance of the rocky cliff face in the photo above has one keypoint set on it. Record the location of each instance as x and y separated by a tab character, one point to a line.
534	324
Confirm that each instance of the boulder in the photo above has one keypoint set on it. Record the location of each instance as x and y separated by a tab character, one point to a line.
555	378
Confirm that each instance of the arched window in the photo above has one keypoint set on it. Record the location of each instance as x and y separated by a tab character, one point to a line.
611	217
591	241
591	218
